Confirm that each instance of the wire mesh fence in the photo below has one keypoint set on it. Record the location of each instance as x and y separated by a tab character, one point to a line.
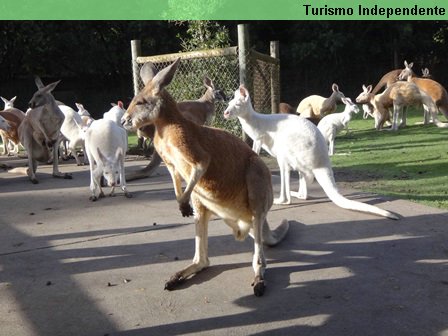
222	66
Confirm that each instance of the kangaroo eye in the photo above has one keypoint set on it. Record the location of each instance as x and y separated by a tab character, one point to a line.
141	101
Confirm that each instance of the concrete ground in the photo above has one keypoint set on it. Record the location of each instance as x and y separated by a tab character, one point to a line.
69	266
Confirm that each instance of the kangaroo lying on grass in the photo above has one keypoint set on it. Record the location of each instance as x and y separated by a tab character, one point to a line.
106	144
39	131
223	176
297	144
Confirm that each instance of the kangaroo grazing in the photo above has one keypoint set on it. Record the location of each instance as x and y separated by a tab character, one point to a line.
332	124
39	131
199	111
434	89
106	144
297	144
315	107
224	177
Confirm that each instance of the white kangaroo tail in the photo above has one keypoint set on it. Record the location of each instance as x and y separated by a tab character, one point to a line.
19	171
326	180
273	237
440	124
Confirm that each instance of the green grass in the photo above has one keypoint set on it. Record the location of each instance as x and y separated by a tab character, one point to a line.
411	163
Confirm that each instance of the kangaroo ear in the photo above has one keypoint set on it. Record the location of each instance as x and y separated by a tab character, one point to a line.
4	100
335	87
164	77
119	154
14	98
147	72
369	88
411	65
243	91
51	87
38	82
208	83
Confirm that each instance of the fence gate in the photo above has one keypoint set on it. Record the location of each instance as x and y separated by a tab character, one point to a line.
222	66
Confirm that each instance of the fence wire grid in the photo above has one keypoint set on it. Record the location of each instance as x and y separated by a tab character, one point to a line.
224	71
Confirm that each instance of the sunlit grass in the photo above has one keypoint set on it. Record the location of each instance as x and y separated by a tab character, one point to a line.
411	163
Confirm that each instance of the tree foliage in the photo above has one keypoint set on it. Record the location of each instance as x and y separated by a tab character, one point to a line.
95	56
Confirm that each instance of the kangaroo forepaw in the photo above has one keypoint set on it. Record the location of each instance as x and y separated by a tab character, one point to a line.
259	286
174	281
186	209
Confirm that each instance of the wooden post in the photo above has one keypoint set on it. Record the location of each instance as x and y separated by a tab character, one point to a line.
243	53
275	78
243	59
136	51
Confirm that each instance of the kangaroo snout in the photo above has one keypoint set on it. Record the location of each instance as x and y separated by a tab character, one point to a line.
227	114
126	122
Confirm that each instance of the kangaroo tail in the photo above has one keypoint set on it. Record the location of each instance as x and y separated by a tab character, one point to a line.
326	180
147	171
444	110
440	124
273	237
19	170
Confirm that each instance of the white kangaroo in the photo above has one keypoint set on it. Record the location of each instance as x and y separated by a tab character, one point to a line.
84	114
297	144
106	145
9	103
8	144
332	124
115	113
72	129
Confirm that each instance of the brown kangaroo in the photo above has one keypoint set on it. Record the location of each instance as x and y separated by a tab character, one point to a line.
223	176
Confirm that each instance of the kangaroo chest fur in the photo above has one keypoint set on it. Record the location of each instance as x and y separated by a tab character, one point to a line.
218	189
